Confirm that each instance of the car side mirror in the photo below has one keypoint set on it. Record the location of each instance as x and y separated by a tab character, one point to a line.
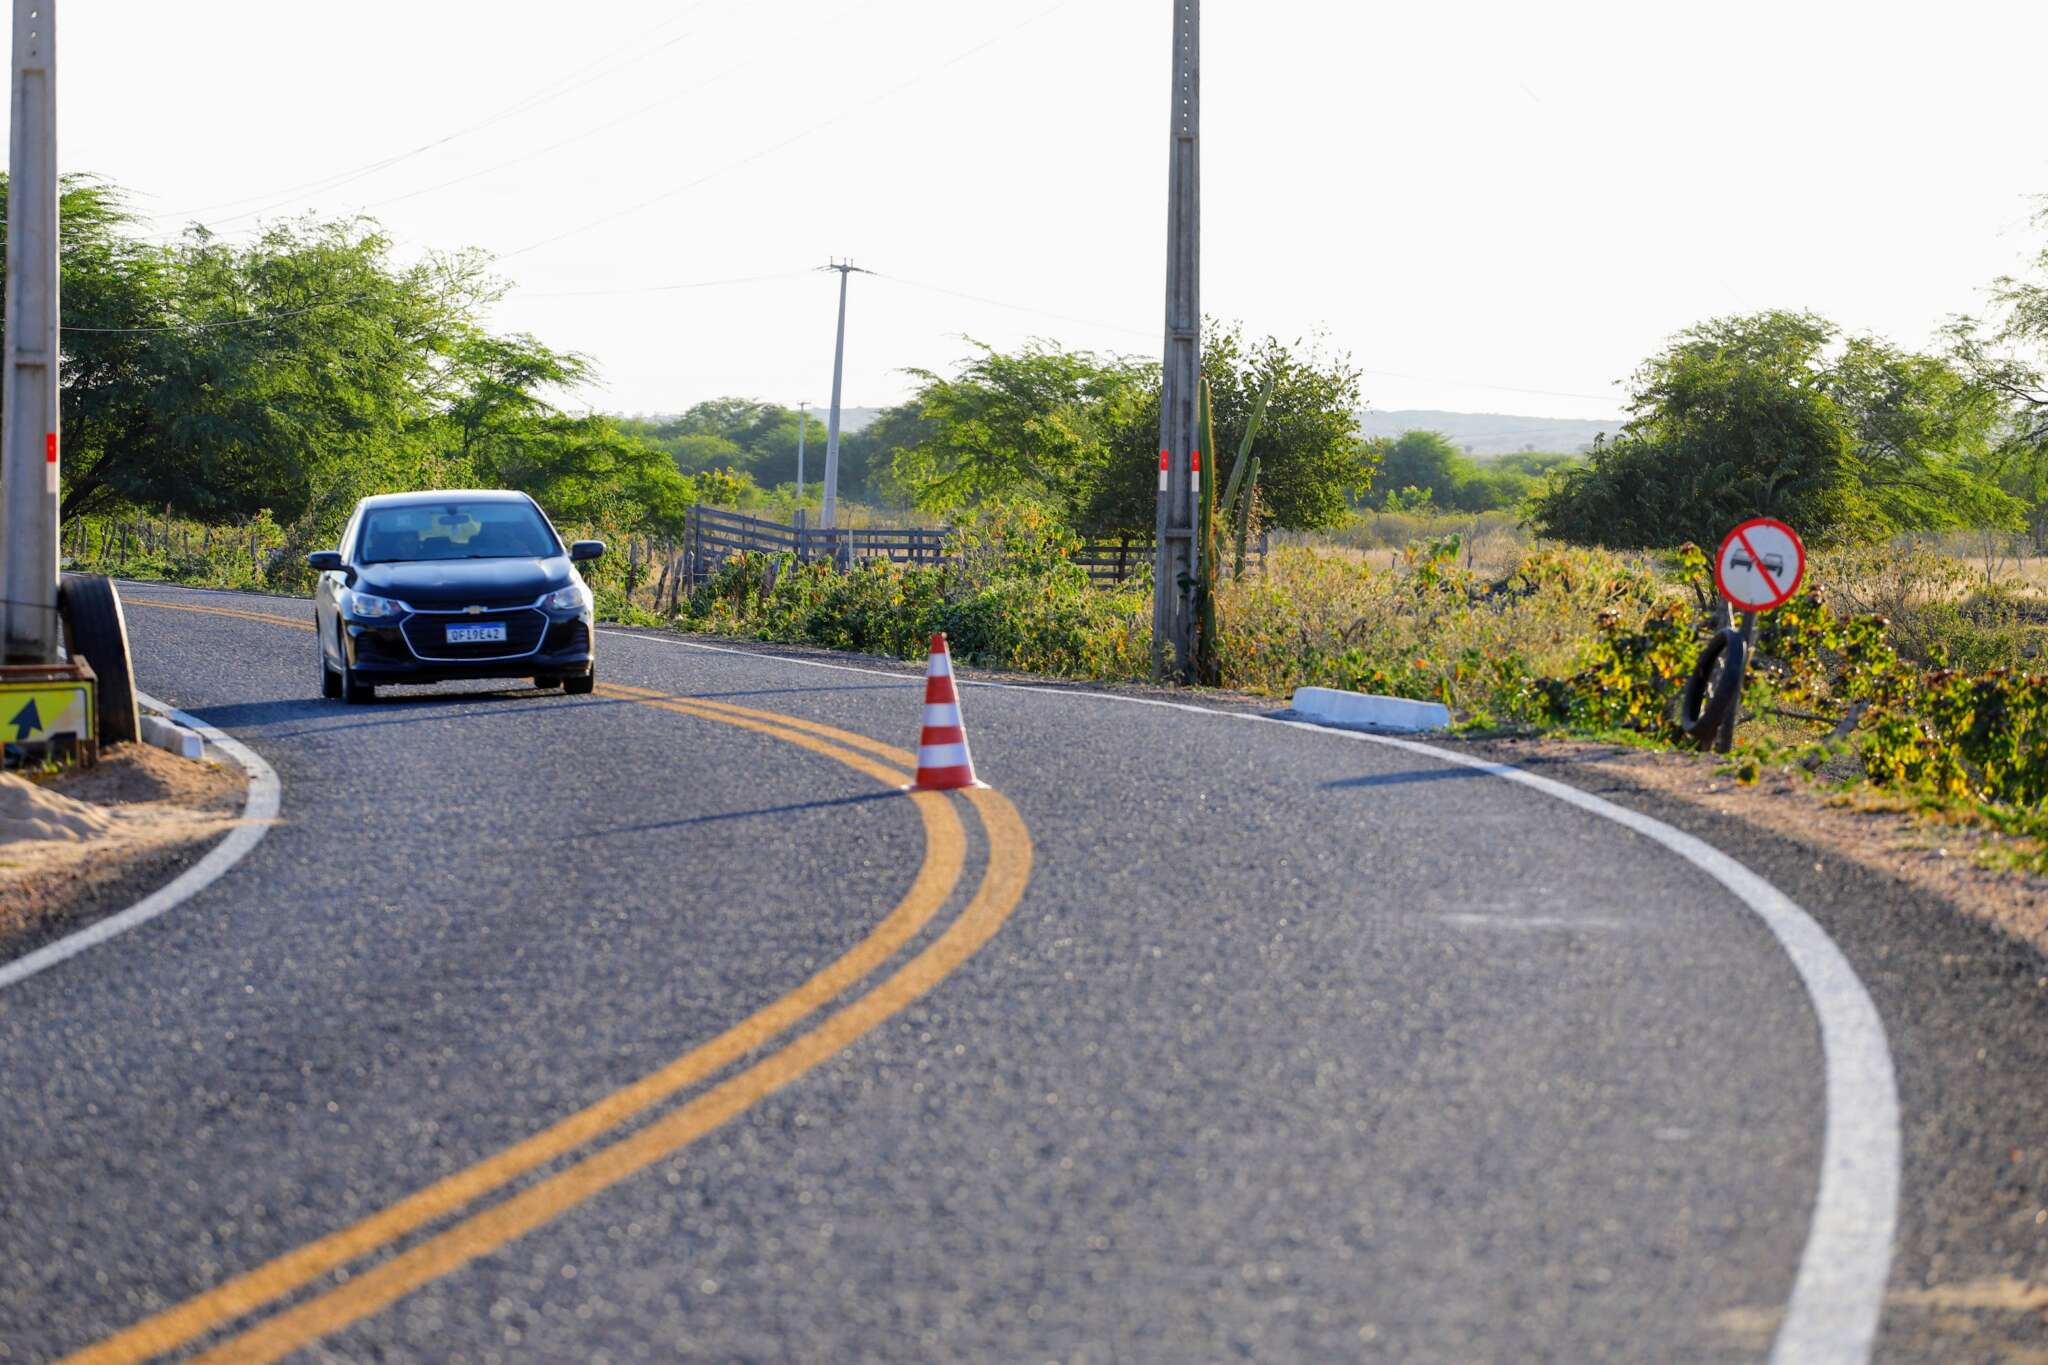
330	561
584	550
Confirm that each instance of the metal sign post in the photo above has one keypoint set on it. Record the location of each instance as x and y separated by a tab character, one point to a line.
1757	569
29	430
1175	563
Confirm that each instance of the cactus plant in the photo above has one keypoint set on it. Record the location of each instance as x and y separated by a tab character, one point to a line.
1208	669
1236	508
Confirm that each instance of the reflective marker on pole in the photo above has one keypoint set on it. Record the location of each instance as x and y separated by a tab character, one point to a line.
1195	473
50	462
1162	471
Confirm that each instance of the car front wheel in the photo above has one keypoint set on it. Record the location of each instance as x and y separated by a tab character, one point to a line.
580	687
330	681
353	692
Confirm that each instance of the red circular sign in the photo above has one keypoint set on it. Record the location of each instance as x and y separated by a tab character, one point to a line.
1760	564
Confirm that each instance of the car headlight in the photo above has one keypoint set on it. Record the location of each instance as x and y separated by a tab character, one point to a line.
365	606
575	597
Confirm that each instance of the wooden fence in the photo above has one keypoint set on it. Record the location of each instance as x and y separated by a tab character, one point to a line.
712	537
116	540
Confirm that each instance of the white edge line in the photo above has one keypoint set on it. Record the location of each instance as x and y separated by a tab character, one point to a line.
1837	1297
258	810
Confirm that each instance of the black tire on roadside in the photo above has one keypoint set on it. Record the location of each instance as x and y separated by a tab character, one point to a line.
1721	664
580	687
96	631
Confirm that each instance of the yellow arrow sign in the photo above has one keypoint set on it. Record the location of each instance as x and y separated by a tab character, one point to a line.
33	712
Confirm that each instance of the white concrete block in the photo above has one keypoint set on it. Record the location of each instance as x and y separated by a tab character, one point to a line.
176	738
1330	706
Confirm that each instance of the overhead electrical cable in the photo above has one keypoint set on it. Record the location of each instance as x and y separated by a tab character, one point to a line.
794	138
662	288
1014	307
533	154
533	100
247	321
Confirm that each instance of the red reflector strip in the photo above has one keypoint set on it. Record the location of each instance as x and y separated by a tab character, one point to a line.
50	447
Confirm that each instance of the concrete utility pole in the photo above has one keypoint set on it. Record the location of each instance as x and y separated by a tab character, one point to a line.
828	516
803	427
1176	562
28	434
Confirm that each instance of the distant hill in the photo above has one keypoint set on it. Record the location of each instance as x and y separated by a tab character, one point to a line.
1492	433
850	419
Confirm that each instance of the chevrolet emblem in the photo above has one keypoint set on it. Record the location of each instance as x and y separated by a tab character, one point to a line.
473	611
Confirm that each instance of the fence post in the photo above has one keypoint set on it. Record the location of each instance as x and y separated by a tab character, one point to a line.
803	544
693	562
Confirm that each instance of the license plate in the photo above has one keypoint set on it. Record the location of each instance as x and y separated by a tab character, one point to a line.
491	632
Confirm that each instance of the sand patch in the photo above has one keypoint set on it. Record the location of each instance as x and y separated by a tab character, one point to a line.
94	840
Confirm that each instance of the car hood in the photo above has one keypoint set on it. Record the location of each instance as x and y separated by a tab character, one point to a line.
456	583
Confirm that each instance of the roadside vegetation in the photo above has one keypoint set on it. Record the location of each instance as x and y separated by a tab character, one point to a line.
226	404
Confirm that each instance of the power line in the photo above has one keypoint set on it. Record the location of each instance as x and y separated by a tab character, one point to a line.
1014	307
224	322
800	136
1133	331
664	288
1475	384
533	100
845	15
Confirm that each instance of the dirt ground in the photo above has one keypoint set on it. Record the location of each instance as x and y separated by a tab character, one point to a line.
89	841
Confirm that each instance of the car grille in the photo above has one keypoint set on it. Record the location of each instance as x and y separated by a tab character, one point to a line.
424	634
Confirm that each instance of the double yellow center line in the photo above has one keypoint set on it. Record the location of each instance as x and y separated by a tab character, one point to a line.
1007	870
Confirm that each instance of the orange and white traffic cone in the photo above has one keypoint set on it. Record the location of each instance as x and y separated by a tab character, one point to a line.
943	763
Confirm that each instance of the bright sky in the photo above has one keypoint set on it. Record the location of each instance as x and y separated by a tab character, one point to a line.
1492	206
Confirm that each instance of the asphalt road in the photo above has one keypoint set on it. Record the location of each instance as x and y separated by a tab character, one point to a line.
1194	1040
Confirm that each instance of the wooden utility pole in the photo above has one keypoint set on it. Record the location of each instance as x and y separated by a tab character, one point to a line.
1176	564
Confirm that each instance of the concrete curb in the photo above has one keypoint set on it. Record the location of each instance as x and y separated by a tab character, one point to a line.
1329	706
175	738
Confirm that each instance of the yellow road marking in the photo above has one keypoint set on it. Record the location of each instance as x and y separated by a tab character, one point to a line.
1002	885
296	623
945	859
846	737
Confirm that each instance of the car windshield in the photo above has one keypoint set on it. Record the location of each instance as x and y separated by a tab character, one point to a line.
456	530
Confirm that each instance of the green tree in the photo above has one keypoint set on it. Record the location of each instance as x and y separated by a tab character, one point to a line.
1422	461
1771	414
1033	425
1311	460
2007	353
300	371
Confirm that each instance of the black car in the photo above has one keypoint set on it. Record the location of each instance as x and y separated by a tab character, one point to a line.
430	587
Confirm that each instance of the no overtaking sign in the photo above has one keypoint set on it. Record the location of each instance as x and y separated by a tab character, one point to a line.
1760	564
